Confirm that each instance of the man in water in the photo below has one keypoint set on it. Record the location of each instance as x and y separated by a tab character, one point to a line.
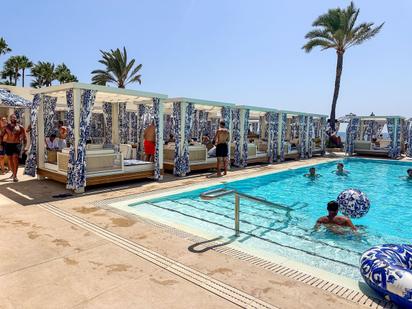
332	219
149	136
409	171
222	150
312	173
15	134
340	170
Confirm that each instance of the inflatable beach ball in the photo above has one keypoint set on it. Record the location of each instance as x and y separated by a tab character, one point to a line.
353	203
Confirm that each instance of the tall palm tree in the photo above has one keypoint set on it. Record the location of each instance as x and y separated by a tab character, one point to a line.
118	70
336	29
24	64
64	75
4	48
12	64
43	73
8	74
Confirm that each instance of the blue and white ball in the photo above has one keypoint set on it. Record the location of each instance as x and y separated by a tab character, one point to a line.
353	203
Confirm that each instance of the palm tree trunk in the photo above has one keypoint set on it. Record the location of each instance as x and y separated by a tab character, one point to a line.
339	66
22	77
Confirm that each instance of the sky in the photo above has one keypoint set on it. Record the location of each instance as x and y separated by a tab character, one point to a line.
236	51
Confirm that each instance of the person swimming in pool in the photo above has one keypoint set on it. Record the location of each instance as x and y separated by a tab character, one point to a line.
312	173
340	171
409	171
332	220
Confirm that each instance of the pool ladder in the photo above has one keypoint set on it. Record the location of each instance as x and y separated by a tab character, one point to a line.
217	193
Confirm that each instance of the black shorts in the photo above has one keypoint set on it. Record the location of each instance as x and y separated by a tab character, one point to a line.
222	150
12	149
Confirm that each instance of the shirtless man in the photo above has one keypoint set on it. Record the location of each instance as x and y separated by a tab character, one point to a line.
312	173
333	220
15	134
340	171
222	150
149	136
3	124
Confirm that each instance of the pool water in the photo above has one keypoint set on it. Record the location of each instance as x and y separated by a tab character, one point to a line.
290	233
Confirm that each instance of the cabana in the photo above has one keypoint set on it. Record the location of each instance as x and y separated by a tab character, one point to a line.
189	129
297	137
82	162
365	136
15	100
254	135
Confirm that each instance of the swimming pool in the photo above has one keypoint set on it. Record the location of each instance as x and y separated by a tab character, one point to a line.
290	233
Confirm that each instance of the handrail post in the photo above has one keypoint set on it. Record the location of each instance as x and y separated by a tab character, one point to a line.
237	206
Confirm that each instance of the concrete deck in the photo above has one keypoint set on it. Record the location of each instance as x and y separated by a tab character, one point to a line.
48	262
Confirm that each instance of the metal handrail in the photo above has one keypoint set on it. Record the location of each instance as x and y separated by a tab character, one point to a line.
216	193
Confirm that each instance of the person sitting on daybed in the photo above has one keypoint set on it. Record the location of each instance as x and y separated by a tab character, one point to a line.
332	220
52	142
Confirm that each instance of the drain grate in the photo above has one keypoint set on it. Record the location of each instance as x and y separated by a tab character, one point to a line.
346	293
217	287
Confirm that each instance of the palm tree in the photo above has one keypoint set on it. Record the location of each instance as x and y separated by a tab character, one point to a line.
43	73
4	48
24	63
118	70
12	65
336	29
64	75
8	74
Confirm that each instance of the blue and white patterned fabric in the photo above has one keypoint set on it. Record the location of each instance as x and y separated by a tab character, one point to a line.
368	130
96	128
140	130
184	158
351	134
388	270
49	115
394	131
409	139
107	116
177	123
323	123
226	116
123	123
78	171
272	120
282	136
159	139
167	126
9	99
31	162
302	135
71	174
353	203
236	137
19	112
243	162
311	136
194	132
203	123
133	127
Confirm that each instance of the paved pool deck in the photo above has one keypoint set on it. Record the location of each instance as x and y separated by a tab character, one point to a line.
47	261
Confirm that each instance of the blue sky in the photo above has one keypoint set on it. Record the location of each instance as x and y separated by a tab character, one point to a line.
245	52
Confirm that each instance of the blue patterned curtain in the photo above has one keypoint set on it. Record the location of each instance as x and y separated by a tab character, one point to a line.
272	120
394	130
245	139
195	132
107	116
177	123
409	139
123	123
156	120
133	127
140	130
311	130
19	112
351	134
226	116
302	129
368	130
77	177
236	136
49	115
96	128
203	123
254	127
182	164
31	163
282	137
322	134
71	175
167	126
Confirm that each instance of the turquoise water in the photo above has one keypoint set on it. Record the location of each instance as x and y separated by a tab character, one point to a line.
290	233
